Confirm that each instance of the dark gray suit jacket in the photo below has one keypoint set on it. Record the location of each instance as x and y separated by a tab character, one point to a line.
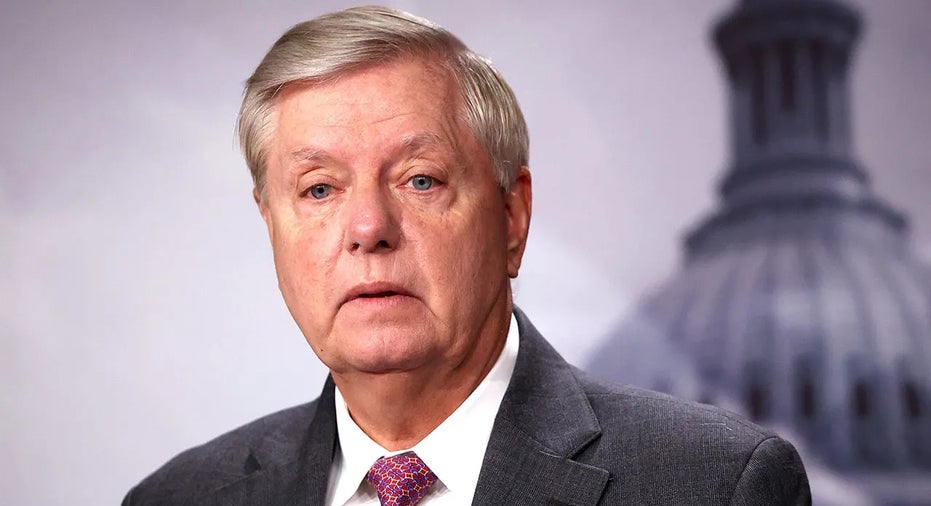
560	438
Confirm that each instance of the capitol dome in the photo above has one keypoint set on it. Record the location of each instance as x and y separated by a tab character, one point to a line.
800	298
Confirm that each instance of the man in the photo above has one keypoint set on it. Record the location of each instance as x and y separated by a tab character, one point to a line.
390	166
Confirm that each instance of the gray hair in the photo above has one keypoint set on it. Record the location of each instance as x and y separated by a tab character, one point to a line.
331	45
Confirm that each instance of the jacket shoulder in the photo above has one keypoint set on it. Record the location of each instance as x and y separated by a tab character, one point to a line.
655	411
666	450
200	470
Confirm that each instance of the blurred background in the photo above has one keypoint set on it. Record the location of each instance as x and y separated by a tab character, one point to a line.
731	204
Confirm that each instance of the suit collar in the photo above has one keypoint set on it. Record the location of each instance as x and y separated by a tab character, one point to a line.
545	420
543	390
284	469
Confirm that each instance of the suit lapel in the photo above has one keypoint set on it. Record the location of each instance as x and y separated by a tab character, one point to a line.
287	468
544	421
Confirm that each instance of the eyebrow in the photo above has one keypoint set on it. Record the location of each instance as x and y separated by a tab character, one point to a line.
309	154
410	145
419	142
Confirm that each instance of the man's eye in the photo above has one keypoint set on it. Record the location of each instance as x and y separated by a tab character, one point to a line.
422	183
319	191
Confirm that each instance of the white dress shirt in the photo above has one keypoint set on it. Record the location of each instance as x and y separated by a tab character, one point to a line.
454	451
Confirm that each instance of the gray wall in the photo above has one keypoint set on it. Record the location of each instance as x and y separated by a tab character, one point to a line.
138	308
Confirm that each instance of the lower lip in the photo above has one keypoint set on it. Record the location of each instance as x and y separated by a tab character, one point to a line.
379	302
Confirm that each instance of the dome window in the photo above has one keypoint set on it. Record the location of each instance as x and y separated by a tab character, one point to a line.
787	71
806	397
861	400
756	400
758	81
807	400
911	400
819	65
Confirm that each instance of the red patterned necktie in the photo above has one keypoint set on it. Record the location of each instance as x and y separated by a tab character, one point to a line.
400	480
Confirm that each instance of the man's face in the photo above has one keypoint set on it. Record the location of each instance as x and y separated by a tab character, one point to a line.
392	241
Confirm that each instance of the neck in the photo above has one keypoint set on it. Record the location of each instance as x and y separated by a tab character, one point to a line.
428	396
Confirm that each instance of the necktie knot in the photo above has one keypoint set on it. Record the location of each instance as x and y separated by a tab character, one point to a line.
400	480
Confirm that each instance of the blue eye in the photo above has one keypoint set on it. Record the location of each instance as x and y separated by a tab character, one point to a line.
319	191
422	183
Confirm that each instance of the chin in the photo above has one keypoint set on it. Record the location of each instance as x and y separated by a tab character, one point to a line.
387	349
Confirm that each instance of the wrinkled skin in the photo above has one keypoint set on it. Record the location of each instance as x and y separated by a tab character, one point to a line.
392	241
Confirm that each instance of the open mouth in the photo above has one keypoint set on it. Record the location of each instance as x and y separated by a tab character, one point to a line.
377	295
377	292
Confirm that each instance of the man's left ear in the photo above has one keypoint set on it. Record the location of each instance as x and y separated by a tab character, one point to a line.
518	204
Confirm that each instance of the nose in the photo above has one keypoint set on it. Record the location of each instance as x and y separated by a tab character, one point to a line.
371	222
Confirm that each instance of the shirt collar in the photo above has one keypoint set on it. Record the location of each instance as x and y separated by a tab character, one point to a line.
454	451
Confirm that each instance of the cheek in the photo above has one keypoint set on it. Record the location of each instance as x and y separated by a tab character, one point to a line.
463	251
305	258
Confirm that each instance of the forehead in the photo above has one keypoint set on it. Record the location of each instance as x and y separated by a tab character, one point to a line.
394	99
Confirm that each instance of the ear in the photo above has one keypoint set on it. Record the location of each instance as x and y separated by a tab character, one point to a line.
264	211
518	204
